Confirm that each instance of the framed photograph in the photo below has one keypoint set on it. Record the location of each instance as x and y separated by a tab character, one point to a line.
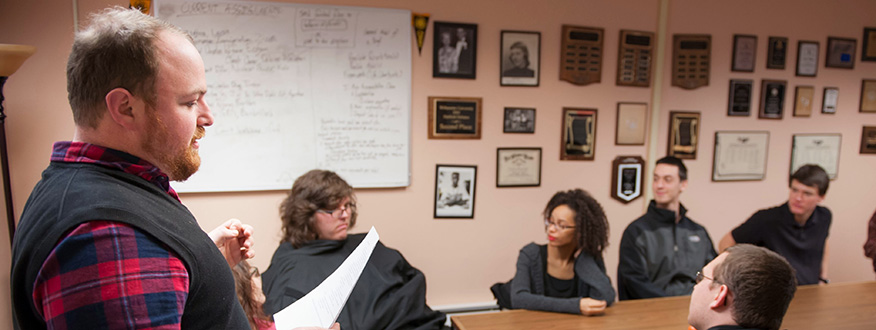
744	52
684	130
740	97
740	155
820	149
868	140
772	99
455	50
830	100
455	191
520	58
632	123
868	95
626	178
777	53
454	117
518	167
519	120
868	52
840	53
803	96
578	138
807	58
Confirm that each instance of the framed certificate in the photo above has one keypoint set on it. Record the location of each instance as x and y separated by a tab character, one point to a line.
840	53
578	137
868	95
740	155
454	117
518	167
820	149
831	97
868	52
455	191
740	97
684	130
807	58
777	53
626	178
868	140
772	99
744	52
632	121
803	96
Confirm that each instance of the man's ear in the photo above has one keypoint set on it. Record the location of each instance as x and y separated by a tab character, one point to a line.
722	299
683	185
120	107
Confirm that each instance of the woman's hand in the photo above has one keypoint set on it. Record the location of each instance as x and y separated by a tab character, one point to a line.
590	307
234	240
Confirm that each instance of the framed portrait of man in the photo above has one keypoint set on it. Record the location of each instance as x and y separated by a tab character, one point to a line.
455	191
520	58
455	50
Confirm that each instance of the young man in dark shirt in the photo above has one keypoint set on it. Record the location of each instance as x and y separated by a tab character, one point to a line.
797	230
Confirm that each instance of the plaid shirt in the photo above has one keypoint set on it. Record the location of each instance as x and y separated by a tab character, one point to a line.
110	275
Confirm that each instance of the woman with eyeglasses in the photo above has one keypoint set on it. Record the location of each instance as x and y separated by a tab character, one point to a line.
567	274
316	216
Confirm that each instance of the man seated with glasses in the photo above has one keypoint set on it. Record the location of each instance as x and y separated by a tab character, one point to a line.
745	287
661	250
320	209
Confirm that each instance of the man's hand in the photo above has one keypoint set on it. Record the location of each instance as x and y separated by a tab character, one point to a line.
590	307
234	240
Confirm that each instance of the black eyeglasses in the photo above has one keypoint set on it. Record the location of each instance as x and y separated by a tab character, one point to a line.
701	276
337	213
254	272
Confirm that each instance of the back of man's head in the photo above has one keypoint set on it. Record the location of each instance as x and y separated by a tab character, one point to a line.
670	160
761	284
812	175
114	50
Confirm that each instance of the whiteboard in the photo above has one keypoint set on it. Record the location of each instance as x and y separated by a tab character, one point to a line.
294	87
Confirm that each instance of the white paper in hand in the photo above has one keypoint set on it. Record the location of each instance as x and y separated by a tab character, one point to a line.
321	306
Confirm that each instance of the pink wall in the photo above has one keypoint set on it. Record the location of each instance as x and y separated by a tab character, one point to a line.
462	258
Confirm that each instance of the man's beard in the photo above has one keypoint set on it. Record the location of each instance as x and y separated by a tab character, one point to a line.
179	164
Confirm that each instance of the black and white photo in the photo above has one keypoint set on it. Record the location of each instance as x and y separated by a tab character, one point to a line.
455	50
520	58
519	120
455	191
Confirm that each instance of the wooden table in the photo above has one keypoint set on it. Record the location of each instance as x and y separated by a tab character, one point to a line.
844	306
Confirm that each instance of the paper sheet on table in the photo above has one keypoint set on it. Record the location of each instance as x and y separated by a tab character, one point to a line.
321	306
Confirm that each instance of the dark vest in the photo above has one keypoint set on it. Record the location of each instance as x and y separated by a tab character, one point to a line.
72	193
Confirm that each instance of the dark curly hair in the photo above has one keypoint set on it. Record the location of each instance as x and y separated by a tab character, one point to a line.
591	225
243	285
315	190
